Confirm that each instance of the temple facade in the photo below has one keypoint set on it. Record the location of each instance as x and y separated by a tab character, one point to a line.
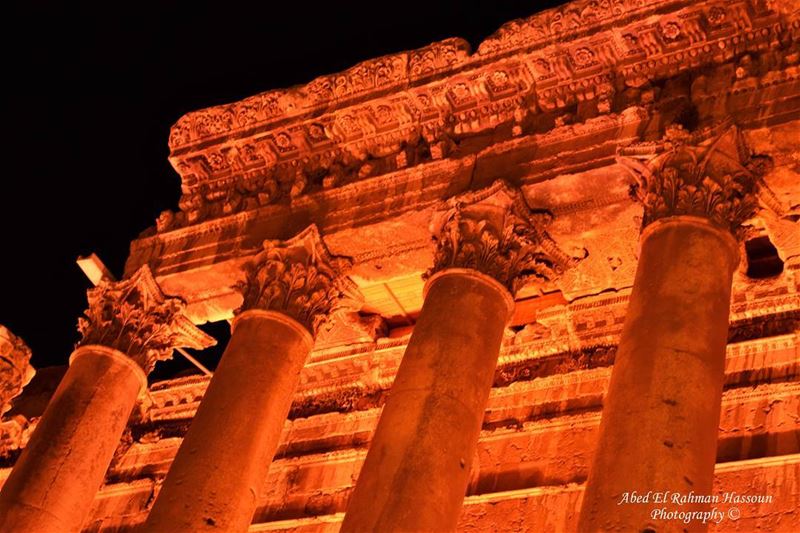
551	284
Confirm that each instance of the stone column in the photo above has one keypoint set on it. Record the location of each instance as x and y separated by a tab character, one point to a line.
15	368
661	411
129	325
218	475
416	472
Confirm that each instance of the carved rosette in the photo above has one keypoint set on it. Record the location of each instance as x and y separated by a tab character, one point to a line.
710	174
15	368
134	317
298	278
494	232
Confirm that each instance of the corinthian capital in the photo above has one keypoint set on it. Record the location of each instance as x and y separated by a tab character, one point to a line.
298	278
134	317
15	367
494	232
710	174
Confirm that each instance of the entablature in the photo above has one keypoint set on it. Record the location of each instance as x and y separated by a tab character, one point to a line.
382	223
545	104
562	66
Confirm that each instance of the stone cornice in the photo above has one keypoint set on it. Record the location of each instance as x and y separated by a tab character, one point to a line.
374	77
230	168
572	20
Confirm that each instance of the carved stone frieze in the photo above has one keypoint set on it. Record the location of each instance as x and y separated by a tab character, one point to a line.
350	327
134	317
494	232
569	20
15	367
579	336
366	77
709	174
277	146
299	278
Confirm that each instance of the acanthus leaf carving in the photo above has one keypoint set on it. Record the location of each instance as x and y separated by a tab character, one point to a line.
709	174
15	368
300	279
494	232
134	317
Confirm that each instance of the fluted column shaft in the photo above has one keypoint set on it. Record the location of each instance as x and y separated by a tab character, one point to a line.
218	474
53	483
417	469
661	412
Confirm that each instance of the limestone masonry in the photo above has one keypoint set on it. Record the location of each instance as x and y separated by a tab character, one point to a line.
442	268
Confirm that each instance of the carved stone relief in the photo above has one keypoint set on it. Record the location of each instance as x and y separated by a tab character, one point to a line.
134	317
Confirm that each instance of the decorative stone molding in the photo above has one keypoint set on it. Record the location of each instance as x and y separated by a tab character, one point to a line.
299	278
134	317
561	66
370	76
568	21
710	174
15	368
494	232
351	327
580	336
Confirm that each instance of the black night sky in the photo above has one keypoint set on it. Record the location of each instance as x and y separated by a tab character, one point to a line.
94	90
